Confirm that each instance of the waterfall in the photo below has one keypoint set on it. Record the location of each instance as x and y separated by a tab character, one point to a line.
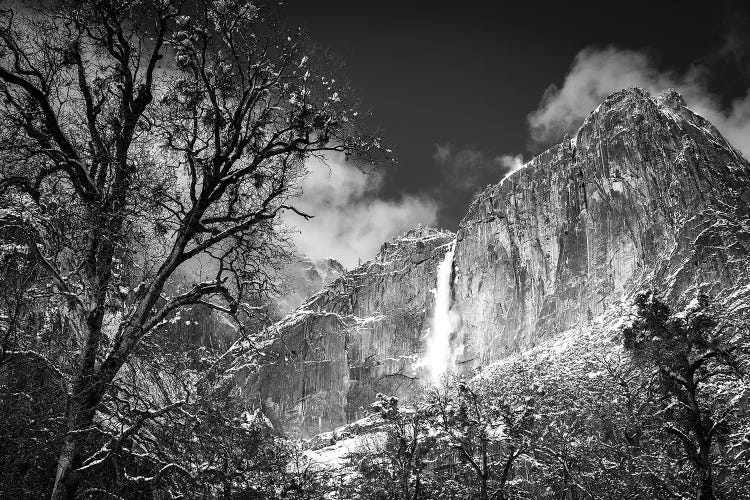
438	353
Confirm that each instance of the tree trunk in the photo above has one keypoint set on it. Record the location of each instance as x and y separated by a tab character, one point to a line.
483	491
405	483
65	485
705	484
702	458
227	484
80	418
416	486
485	471
86	395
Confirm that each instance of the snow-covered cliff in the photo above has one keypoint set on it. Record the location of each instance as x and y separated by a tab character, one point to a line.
305	277
362	334
617	206
646	194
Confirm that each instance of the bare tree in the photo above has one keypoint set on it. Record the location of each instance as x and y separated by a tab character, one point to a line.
140	138
488	435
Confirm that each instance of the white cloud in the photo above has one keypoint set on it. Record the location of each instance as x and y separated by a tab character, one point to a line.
511	162
350	222
596	73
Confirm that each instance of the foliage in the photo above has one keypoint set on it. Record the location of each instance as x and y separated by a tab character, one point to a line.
645	419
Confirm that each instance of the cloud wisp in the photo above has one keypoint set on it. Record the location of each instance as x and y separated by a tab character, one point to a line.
350	221
469	169
512	163
596	73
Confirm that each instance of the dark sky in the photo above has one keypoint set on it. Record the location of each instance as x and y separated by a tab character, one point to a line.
468	73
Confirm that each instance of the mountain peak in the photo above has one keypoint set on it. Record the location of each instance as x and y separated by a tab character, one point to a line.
642	194
413	241
671	98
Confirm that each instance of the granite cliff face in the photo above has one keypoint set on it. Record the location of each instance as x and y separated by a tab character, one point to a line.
646	194
362	334
617	206
305	277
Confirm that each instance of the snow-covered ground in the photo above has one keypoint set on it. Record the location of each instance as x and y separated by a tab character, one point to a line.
337	455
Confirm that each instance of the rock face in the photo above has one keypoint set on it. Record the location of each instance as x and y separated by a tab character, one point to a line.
646	194
584	222
359	336
305	277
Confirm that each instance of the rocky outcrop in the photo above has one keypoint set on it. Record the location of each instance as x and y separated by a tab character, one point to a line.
581	224
647	193
362	334
303	278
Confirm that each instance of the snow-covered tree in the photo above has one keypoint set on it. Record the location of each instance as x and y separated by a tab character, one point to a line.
147	150
697	356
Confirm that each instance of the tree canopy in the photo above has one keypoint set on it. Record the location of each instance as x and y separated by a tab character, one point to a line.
147	149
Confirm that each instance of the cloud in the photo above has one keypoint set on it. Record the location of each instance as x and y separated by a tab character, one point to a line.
596	73
350	221
512	163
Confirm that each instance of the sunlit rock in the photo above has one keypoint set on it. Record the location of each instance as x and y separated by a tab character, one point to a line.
647	193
